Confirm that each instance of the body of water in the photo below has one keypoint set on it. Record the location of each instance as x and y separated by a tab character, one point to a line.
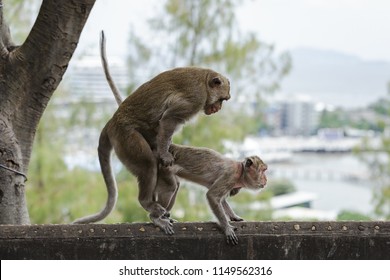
339	181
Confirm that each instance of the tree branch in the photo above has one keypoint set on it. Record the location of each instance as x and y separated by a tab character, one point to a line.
42	60
5	36
53	38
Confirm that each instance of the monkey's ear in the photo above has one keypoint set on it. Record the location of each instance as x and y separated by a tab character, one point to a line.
215	82
248	163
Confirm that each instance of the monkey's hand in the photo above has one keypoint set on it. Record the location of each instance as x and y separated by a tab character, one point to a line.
166	159
231	237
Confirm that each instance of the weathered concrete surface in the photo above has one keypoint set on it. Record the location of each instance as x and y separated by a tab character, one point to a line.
257	240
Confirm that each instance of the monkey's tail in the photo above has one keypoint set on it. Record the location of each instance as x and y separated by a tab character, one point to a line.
104	150
109	79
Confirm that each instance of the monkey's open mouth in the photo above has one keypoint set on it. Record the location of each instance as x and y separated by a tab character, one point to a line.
211	110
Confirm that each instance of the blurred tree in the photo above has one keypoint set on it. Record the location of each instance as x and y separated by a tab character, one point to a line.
60	189
52	188
356	118
206	33
381	106
282	186
333	119
377	156
29	75
22	15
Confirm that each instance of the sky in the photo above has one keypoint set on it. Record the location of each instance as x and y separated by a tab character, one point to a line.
355	27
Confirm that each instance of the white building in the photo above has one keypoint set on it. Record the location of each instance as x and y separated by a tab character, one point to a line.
294	116
86	79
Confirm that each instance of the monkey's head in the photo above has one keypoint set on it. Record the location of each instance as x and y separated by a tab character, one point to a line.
254	172
218	90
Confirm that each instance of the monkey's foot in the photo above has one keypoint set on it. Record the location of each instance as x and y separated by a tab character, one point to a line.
163	224
231	237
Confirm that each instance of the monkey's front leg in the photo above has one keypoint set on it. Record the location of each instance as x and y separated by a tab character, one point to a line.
215	202
166	190
229	211
164	139
175	115
158	214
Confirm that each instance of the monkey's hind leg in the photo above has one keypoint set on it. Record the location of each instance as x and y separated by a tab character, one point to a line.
135	153
162	223
172	202
166	190
156	211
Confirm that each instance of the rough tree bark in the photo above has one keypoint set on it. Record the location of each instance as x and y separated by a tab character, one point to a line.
29	74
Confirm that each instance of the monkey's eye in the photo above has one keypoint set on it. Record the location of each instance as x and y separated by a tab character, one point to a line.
217	81
248	163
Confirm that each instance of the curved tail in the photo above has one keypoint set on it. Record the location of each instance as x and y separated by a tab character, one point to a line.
110	81
104	151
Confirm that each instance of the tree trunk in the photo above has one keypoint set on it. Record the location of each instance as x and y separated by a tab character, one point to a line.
29	74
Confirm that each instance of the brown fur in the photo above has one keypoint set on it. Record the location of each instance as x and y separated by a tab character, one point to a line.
222	177
140	130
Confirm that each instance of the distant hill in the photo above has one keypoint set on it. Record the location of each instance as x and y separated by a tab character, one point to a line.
336	78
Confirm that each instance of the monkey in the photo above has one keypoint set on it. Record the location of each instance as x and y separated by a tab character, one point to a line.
222	177
141	129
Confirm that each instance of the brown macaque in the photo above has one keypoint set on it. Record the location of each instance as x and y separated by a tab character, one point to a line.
222	177
140	131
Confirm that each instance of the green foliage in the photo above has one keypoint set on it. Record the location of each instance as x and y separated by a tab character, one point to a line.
377	157
346	215
340	118
191	204
192	27
382	198
333	119
205	33
282	186
57	193
53	189
381	106
208	131
18	14
128	209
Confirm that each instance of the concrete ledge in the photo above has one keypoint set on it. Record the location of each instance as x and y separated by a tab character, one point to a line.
257	240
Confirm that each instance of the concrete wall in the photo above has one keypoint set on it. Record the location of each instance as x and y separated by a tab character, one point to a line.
257	240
